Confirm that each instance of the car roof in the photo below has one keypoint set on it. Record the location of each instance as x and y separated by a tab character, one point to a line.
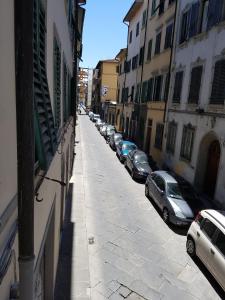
218	215
166	176
128	143
138	152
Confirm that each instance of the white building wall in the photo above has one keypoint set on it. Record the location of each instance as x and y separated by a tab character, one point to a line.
205	49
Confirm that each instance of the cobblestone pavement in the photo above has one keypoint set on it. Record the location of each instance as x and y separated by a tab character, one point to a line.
122	249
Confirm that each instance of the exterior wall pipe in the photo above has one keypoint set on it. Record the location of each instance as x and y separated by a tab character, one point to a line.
172	52
25	143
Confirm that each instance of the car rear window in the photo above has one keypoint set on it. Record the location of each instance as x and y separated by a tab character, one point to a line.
208	228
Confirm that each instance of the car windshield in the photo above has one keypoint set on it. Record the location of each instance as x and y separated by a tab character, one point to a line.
173	190
141	158
117	138
129	147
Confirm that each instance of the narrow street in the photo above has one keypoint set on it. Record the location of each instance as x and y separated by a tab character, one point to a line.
122	248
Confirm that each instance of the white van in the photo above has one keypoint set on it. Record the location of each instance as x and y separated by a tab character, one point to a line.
206	239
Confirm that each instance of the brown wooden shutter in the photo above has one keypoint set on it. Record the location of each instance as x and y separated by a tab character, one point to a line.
196	76
218	86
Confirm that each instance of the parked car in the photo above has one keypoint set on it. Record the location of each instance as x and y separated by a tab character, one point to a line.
90	114
137	163
165	192
189	194
123	148
98	123
115	138
108	126
109	131
206	239
99	127
103	129
95	117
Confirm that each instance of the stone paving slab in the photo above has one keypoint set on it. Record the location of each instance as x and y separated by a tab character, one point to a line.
123	249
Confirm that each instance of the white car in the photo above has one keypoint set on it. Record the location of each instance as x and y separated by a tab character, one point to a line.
206	239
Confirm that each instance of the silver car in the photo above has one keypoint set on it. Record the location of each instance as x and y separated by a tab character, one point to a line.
165	192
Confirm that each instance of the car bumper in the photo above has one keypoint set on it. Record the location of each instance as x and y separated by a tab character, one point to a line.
180	221
140	175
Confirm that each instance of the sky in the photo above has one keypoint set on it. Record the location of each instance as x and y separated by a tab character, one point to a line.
104	32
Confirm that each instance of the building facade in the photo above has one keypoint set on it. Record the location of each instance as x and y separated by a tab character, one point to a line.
121	58
52	44
194	144
104	86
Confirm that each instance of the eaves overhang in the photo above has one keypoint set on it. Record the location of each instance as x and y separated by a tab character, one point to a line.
121	54
133	10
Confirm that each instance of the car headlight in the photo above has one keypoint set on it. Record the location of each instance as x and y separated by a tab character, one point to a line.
179	214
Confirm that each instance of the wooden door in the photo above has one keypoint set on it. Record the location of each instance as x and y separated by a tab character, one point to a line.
148	137
212	168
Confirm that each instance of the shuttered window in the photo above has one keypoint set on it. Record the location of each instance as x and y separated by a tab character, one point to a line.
45	135
218	86
141	56
153	7
159	136
161	6
134	62
144	91
185	26
65	93
130	40
168	38
196	76
187	142
137	93
149	54
137	29
171	137
215	12
178	87
150	89
166	88
157	43
57	84
157	88
194	16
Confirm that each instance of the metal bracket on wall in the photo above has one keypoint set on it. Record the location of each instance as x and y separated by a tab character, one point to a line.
52	179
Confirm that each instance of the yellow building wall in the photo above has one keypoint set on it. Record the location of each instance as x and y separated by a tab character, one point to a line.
109	79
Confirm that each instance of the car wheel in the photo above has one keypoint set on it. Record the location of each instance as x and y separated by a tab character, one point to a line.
146	191
166	215
190	246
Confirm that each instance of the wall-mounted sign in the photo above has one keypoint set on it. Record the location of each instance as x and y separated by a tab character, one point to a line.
104	90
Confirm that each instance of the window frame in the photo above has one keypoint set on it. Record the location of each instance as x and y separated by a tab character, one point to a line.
186	154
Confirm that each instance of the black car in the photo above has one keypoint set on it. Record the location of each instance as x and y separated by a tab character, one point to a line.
137	163
115	138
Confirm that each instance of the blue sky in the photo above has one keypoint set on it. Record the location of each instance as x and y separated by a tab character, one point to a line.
104	32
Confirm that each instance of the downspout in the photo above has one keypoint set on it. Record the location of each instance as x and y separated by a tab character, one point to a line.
25	143
142	67
171	61
75	67
125	76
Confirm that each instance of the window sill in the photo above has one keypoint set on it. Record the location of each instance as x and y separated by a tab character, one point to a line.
200	36
216	108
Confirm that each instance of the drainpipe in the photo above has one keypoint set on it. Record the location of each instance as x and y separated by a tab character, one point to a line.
171	60
125	74
75	61
142	68
25	143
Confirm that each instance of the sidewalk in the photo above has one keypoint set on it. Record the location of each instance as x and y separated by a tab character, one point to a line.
73	279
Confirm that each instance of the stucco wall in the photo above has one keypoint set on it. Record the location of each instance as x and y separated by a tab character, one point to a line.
203	49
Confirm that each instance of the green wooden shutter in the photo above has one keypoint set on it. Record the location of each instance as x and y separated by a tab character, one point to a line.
45	135
57	84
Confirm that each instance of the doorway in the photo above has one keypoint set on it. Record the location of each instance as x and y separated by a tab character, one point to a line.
212	166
